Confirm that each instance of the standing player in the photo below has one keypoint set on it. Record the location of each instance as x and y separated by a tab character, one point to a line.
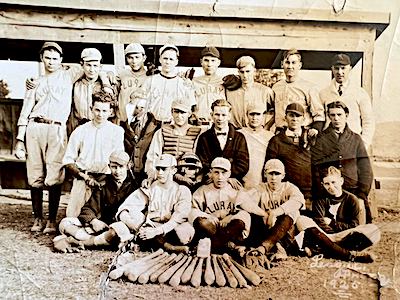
42	129
130	80
250	92
223	140
295	89
163	88
88	150
361	116
257	138
208	88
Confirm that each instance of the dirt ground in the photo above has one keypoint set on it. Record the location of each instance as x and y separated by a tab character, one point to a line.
29	269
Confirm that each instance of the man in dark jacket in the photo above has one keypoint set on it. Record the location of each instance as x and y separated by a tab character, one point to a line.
223	140
340	147
96	224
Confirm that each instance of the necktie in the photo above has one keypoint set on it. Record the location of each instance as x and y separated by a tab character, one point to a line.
340	91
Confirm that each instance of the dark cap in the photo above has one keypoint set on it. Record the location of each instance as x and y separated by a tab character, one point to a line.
341	59
53	45
210	51
295	108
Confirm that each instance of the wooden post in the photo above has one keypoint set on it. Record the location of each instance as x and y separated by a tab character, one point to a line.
119	57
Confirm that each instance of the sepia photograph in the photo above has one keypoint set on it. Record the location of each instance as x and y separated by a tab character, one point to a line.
199	149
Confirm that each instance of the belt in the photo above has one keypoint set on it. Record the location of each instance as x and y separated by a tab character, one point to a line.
45	121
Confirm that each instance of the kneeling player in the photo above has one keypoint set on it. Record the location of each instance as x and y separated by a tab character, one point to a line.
336	230
214	213
96	224
159	214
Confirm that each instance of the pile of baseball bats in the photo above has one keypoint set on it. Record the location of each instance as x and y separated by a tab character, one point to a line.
175	269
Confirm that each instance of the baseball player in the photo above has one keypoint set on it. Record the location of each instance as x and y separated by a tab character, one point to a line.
292	147
257	138
223	140
337	230
42	129
85	87
130	80
96	224
250	92
208	88
214	212
340	147
163	88
295	89
361	117
274	207
88	150
176	139
159	214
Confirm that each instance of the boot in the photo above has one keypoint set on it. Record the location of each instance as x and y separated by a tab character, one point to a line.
37	207
54	200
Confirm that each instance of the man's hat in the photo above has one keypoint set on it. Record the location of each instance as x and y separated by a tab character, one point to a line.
221	163
256	107
120	157
90	54
168	47
274	165
166	160
210	51
341	60
244	61
296	108
134	48
48	45
189	159
181	105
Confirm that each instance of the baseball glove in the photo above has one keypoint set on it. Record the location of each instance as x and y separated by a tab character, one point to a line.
256	261
231	82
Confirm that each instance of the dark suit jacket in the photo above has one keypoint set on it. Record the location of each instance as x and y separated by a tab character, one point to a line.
235	151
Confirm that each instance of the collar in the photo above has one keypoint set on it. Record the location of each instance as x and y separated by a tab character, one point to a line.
291	133
169	77
344	85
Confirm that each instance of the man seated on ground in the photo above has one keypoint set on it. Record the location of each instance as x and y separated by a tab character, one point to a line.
274	208
88	150
95	224
214	214
159	213
336	231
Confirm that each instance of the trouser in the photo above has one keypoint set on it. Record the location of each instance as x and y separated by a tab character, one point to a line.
54	201
261	234
219	236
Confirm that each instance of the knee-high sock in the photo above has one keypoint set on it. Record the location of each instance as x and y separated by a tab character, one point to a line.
355	241
102	239
37	202
54	201
278	231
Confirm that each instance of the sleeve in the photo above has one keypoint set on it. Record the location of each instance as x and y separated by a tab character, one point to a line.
119	139
202	151
27	106
92	208
272	150
198	205
364	171
240	165
190	92
75	72
249	200
154	152
295	202
73	147
319	211
270	118
134	204
316	105
181	208
367	118
353	208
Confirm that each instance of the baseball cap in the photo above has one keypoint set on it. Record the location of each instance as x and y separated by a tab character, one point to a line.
221	163
210	51
165	160
48	45
120	157
244	61
274	165
181	105
256	107
295	108
90	54
134	48
168	47
189	159
341	59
